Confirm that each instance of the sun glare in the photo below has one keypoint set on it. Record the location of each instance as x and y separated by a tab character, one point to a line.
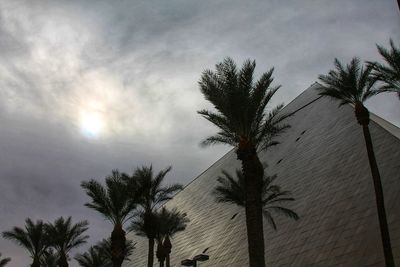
91	123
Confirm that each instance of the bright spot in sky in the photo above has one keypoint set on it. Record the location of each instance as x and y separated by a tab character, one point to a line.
92	123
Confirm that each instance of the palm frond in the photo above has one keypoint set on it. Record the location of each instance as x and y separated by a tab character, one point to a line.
348	84
240	104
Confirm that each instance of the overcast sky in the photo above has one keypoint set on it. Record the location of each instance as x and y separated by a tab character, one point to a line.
90	86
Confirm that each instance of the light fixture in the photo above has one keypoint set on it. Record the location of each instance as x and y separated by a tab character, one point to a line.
193	262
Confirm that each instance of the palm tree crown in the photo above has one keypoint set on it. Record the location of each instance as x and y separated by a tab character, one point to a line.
232	190
33	238
3	262
64	236
240	105
151	192
112	201
92	258
388	74
350	84
105	249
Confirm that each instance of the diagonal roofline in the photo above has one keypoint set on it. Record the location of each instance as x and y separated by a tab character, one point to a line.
389	127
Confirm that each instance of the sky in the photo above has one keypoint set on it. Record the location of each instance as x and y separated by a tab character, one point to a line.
90	86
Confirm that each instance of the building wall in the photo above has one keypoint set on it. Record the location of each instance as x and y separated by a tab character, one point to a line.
322	159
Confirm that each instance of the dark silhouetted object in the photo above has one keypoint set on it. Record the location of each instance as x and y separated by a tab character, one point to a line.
33	238
240	114
193	262
116	203
353	84
64	236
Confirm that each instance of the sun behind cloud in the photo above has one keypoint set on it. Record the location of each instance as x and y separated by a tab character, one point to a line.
91	123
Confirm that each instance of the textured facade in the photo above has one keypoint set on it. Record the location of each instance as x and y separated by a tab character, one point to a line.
322	159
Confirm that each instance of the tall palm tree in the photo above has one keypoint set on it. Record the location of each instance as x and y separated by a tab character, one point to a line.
33	238
64	236
240	114
151	195
352	84
232	190
92	258
49	258
388	74
170	223
117	205
3	262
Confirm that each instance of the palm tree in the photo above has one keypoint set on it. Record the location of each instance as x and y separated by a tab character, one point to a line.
232	190
92	258
3	262
49	258
352	84
152	194
388	74
116	205
105	248
240	115
170	223
33	238
64	236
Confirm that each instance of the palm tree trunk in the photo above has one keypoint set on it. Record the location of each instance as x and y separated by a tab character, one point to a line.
36	262
118	240
380	203
62	261
253	172
150	256
167	247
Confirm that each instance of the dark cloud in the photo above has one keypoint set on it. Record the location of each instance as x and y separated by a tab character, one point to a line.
136	65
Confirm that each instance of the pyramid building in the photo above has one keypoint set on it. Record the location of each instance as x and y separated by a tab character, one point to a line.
322	159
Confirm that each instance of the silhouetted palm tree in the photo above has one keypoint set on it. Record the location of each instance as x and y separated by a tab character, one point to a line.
105	248
33	238
170	223
92	258
49	258
352	84
232	190
3	262
388	74
116	204
240	115
64	236
152	194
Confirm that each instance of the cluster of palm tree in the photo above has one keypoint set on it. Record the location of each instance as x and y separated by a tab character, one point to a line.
49	244
240	114
133	202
